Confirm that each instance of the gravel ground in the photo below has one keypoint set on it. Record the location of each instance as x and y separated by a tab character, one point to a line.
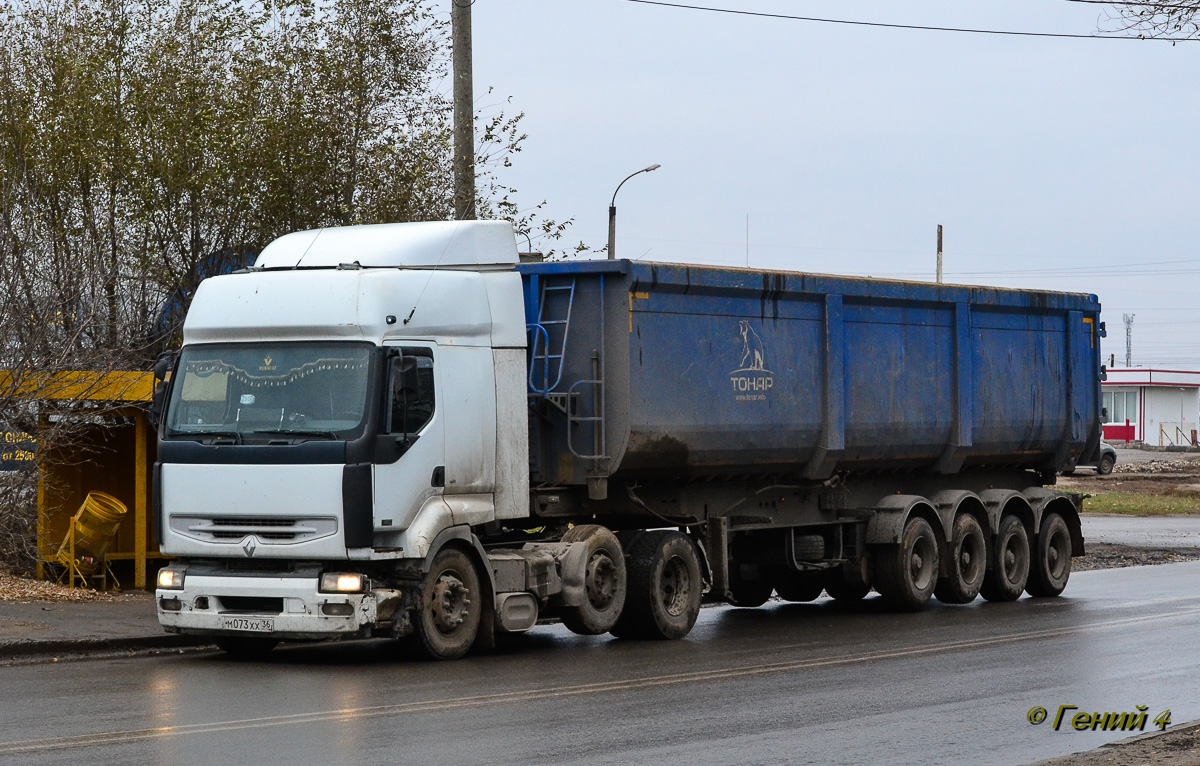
1108	556
1177	746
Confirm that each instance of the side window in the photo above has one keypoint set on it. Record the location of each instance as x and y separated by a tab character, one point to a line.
411	401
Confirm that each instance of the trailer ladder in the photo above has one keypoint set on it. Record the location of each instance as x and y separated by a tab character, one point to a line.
548	336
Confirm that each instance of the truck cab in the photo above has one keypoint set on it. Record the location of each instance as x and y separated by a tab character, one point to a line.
335	414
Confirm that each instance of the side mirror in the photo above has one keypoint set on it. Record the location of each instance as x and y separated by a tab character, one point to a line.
163	365
157	402
1104	414
162	374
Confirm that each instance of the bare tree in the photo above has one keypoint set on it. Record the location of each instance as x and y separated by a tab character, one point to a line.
1177	18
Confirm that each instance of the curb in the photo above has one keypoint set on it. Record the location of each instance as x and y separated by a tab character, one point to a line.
97	645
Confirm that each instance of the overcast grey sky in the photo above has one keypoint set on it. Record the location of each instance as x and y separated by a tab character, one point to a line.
1053	163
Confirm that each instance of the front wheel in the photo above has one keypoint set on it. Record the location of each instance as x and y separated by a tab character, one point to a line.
246	648
665	586
448	617
908	572
799	587
747	586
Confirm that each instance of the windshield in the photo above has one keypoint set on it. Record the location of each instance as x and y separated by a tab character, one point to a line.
310	389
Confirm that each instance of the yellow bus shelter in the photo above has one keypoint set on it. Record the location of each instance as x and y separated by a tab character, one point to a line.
113	453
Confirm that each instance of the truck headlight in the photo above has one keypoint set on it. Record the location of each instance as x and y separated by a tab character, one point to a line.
342	582
170	579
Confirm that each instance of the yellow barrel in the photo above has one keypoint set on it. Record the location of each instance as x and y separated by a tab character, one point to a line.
95	527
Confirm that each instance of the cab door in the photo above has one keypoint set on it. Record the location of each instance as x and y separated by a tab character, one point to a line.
411	449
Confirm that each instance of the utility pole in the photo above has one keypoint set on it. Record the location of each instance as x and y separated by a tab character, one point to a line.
1129	340
939	276
464	111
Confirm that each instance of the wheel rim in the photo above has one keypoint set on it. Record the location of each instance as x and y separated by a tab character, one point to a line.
921	562
1014	559
450	603
1058	554
600	580
971	558
676	586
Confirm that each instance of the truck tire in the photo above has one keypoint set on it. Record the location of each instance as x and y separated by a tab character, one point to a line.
447	618
1105	466
246	647
799	587
840	588
1005	580
1051	565
604	582
747	591
967	565
907	572
665	585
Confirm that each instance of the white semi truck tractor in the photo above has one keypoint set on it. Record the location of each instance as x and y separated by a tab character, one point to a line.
400	431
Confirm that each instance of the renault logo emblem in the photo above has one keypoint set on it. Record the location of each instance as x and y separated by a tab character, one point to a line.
248	547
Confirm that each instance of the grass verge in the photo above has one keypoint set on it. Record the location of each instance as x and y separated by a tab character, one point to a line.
1130	504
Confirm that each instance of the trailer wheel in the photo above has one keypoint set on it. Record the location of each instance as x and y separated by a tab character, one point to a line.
908	571
1005	580
1051	567
663	598
799	586
604	582
967	565
747	591
247	648
840	588
447	619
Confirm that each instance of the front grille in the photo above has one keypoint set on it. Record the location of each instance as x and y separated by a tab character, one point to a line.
268	530
250	605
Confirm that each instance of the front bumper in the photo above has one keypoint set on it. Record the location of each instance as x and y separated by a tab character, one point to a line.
291	606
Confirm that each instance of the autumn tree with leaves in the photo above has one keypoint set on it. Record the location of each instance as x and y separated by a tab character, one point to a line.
147	145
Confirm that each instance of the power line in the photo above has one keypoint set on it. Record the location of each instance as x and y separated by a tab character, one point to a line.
885	25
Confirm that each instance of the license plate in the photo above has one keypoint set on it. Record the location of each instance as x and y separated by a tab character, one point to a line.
255	624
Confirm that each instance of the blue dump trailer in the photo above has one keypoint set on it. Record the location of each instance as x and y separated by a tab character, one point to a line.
401	430
817	432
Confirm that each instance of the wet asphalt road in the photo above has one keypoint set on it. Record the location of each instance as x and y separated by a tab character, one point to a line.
813	683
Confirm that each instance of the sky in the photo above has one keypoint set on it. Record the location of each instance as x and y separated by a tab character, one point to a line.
1058	164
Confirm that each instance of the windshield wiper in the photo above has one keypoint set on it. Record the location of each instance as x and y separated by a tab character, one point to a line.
316	434
202	435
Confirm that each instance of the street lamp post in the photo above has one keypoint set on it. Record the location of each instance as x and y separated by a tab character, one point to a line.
612	213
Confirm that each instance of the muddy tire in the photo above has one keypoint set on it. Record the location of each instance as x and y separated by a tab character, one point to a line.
799	587
604	581
907	573
1051	565
746	591
447	620
665	586
967	564
247	648
1009	572
1105	466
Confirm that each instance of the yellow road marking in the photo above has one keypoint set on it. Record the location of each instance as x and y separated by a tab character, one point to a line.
375	711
